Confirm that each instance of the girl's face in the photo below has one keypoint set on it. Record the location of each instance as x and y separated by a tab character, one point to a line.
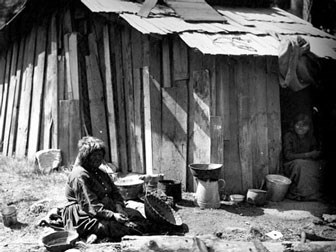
96	158
301	128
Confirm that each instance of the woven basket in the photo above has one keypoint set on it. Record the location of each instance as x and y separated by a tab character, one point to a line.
158	211
60	240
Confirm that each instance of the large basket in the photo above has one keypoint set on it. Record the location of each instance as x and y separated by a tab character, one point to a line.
158	211
129	188
60	240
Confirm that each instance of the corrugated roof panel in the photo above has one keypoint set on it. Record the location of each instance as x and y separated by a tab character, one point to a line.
112	6
227	44
122	6
322	47
196	11
143	25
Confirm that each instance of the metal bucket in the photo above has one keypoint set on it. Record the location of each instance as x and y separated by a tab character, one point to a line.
277	186
9	216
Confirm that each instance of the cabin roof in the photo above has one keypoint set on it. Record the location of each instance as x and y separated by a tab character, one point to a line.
245	31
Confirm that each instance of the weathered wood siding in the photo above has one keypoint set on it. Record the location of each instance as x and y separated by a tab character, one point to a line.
157	104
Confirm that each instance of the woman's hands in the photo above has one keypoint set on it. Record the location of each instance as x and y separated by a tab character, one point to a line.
313	154
121	216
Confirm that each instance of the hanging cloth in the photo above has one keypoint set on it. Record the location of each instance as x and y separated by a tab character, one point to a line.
298	66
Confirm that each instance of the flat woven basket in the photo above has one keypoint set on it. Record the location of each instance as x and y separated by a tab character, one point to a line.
158	211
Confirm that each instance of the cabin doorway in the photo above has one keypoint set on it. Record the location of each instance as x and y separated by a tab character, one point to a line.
319	102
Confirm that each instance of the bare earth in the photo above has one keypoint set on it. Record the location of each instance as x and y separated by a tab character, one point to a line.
34	195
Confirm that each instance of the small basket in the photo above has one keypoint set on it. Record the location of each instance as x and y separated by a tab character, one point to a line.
60	240
158	211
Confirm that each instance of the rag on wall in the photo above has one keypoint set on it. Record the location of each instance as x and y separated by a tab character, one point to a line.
298	66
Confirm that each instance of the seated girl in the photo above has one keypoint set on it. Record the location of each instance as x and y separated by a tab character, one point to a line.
302	160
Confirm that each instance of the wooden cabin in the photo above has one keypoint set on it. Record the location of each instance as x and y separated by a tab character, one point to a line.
162	91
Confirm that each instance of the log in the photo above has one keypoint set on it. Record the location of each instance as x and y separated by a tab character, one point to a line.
211	243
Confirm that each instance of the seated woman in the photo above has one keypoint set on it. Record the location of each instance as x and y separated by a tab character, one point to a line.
95	207
302	164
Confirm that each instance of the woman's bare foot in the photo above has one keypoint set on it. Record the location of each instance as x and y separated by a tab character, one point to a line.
91	239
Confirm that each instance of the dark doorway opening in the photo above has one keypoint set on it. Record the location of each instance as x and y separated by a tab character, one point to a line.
319	102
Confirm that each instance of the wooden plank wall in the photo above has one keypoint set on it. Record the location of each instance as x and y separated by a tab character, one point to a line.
157	104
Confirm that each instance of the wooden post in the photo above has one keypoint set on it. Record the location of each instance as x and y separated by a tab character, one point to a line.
10	100
37	94
112	123
25	98
51	91
19	70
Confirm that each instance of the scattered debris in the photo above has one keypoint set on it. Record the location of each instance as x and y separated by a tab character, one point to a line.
274	235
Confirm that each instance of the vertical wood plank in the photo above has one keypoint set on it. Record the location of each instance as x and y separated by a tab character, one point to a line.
2	75
10	100
232	168
147	121
217	143
61	76
180	60
96	95
68	94
174	134
74	129
115	40
37	93
166	61
138	105
259	122
25	98
64	134
244	137
19	70
155	71
51	90
5	96
273	116
73	61
209	63
195	65
129	96
110	99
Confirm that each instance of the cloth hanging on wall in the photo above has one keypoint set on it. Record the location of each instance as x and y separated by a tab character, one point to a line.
298	66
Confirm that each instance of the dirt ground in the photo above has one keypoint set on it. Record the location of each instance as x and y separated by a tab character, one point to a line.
34	195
